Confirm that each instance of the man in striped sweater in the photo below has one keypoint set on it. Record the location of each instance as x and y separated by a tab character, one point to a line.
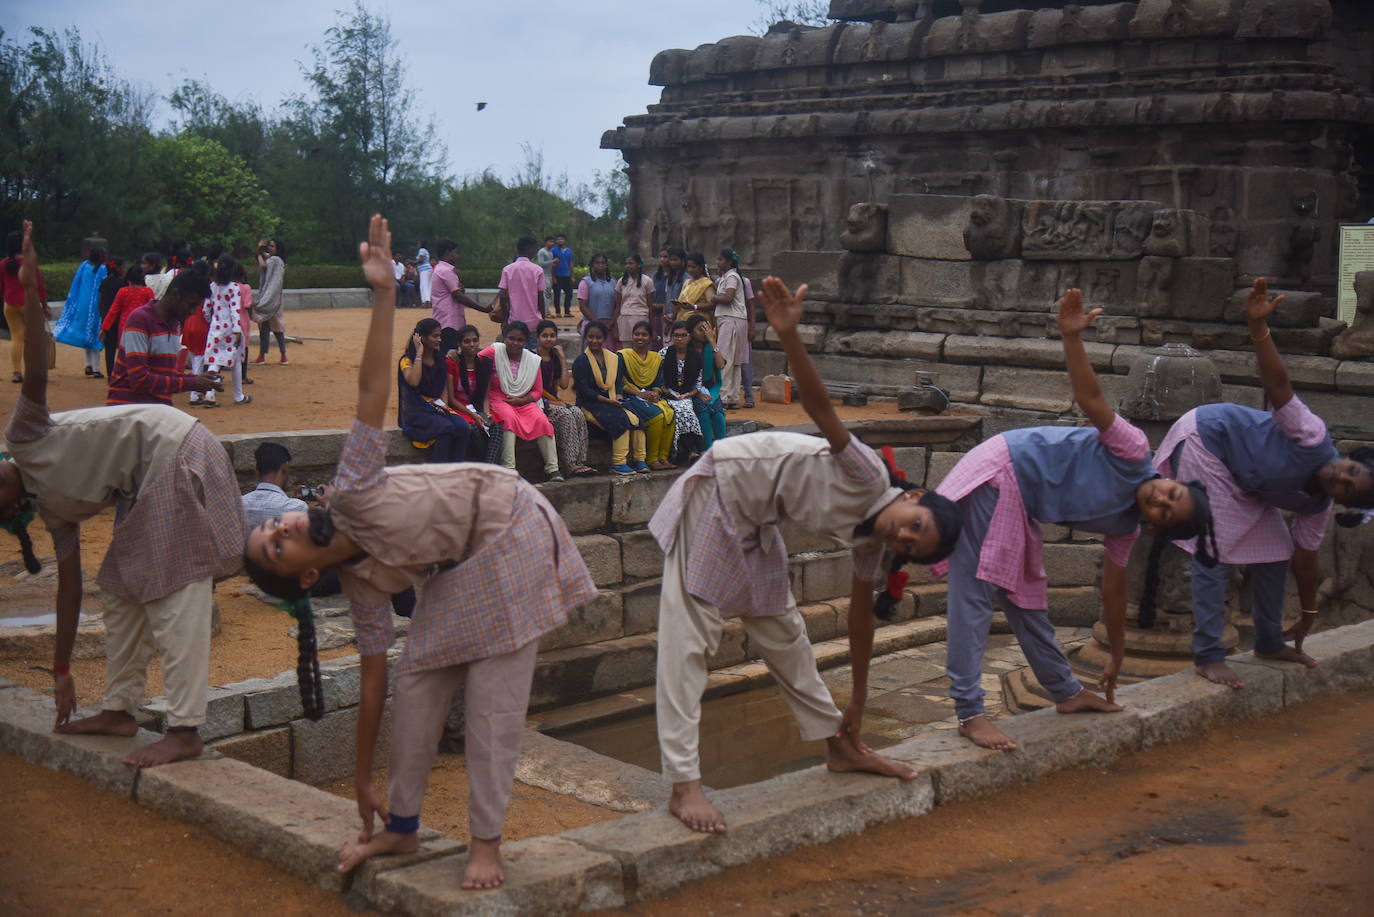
145	370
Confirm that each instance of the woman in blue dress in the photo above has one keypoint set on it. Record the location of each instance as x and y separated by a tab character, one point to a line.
79	324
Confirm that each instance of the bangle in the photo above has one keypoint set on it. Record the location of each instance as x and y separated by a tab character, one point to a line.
62	668
1264	337
1309	611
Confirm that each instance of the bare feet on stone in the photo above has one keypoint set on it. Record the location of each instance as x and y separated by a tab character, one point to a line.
354	853
842	755
1087	702
1288	654
1220	673
693	809
177	745
484	864
104	723
981	732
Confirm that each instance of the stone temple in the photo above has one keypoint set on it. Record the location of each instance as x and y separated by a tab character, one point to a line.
940	171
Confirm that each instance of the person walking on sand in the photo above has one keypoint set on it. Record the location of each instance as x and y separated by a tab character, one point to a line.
1256	465
724	557
268	306
14	304
1094	480
184	529
466	534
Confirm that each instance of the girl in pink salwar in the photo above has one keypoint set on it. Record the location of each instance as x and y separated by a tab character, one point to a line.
517	396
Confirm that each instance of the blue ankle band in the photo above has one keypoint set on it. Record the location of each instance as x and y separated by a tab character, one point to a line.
403	824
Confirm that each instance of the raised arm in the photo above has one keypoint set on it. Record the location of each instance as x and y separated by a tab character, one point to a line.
1273	374
784	311
35	387
374	372
1087	391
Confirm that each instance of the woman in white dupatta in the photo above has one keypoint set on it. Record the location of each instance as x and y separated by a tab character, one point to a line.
515	399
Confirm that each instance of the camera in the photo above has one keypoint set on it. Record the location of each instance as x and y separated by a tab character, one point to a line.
306	492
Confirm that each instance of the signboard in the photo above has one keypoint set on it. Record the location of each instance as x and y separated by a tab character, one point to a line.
1357	254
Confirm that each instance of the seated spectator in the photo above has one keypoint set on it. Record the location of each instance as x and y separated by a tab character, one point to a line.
709	407
640	367
269	499
517	397
599	385
421	411
469	380
569	425
678	378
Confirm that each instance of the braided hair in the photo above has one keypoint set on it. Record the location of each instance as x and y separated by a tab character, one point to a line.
1198	526
947	521
296	602
18	526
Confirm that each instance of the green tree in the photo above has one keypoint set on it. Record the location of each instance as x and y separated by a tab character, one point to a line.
801	12
206	194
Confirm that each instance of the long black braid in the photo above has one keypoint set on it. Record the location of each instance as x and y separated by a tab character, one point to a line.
1199	526
947	520
308	660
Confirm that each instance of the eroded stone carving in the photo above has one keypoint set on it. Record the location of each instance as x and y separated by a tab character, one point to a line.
1358	340
990	234
865	228
1085	230
1303	234
1168	235
1154	285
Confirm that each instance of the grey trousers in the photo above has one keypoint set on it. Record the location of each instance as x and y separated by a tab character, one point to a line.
1267	585
971	607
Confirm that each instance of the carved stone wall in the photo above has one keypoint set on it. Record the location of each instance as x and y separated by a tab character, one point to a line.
1256	115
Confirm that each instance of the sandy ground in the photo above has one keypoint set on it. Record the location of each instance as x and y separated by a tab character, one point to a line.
1269	816
533	812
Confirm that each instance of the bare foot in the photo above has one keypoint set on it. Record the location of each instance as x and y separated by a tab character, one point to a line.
353	853
693	809
484	864
104	723
1220	673
1086	701
843	755
176	745
981	732
1288	654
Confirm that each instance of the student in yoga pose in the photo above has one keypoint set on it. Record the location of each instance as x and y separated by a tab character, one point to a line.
1094	480
1256	464
467	534
718	526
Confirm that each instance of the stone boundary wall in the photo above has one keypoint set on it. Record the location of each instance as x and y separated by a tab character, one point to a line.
324	298
649	853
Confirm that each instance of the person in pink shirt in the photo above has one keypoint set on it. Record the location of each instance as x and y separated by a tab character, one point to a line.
522	285
1093	480
447	296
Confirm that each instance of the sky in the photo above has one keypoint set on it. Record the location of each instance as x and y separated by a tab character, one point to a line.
554	79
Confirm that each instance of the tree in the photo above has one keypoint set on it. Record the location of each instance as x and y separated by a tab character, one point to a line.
802	12
206	194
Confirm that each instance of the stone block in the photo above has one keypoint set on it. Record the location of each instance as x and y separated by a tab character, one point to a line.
432	847
820	622
876	377
1305	372
1073	564
818	270
937	283
1085	230
766	819
1345	414
803	541
1075	606
900	344
1052	28
601	554
958	769
1202	288
941	463
1345	662
571	770
990	33
324	749
641	607
634	499
929	226
1265	19
870	277
641	557
1299	309
278	702
826	577
544	875
812	336
1049	741
1168	19
769	363
733	648
1031	389
293	826
912	460
26	719
1176	707
961	382
343	682
359	298
989	351
603	618
269	749
223	713
1355	377
583	503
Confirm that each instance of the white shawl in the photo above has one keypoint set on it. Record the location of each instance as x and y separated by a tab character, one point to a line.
515	386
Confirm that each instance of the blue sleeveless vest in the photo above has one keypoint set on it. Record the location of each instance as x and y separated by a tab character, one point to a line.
1067	477
1262	459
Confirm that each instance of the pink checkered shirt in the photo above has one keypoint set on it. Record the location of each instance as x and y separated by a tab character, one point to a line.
1013	552
486	597
523	280
1249	531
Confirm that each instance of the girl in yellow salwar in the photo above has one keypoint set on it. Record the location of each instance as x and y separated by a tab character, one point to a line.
641	367
697	291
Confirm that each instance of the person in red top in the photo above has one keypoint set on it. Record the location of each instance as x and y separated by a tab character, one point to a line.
146	366
129	298
14	301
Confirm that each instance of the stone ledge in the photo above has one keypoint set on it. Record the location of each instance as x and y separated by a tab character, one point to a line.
572	770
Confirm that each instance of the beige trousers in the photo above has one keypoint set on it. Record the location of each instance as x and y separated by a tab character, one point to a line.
177	628
496	696
690	629
14	315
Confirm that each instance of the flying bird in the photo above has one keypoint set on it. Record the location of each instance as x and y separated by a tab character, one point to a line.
481	105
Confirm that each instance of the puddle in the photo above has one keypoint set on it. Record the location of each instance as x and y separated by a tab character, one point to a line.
47	620
745	738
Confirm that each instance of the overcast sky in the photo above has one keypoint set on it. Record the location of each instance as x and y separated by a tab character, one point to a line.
554	75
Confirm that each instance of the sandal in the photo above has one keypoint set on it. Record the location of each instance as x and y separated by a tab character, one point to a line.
246	399
17	377
95	374
584	470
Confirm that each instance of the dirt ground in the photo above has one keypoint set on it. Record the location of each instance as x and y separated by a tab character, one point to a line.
1269	816
534	812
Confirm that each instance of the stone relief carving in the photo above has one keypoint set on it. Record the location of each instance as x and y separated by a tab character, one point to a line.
1303	234
1224	233
990	234
809	230
1086	230
865	228
1168	235
1154	284
1358	340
